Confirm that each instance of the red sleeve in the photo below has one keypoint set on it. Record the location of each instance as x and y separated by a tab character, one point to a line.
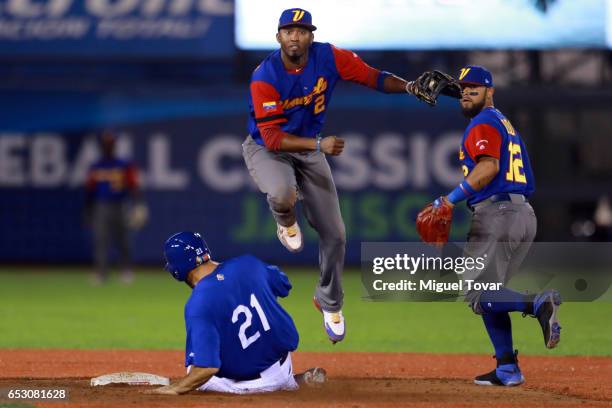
352	68
483	140
131	177
90	183
272	136
267	104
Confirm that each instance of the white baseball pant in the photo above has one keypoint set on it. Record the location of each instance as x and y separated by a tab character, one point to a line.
277	377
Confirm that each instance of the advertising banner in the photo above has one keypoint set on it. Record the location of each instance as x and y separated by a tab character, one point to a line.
117	28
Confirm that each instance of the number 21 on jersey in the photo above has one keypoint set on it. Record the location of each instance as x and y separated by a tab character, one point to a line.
242	309
515	166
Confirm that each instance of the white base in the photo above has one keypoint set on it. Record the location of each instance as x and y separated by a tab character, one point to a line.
130	379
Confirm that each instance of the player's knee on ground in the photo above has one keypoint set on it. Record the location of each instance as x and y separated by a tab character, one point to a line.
282	198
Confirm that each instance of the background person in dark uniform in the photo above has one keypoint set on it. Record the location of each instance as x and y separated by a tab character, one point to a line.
113	206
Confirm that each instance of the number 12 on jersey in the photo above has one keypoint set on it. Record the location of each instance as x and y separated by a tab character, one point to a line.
515	166
244	340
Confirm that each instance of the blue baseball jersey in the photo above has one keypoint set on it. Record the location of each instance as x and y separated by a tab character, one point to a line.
234	321
297	100
490	133
111	179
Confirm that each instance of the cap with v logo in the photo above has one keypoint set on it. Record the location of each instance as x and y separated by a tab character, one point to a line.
475	75
296	17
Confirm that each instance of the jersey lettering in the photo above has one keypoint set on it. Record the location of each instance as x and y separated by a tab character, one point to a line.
114	176
306	100
508	126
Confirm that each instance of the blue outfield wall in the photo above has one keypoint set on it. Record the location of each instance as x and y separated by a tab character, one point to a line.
400	154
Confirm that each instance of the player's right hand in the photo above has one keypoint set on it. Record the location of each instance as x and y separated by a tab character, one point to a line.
332	145
165	390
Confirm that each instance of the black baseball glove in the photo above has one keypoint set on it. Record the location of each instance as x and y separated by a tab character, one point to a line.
431	84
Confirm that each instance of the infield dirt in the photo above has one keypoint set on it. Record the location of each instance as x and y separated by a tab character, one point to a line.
355	380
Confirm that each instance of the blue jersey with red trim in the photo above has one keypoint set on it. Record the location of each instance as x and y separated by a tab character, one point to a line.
111	179
490	133
297	100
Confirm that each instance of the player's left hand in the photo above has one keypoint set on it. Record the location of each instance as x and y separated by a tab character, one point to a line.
431	84
332	145
434	222
138	216
440	202
165	390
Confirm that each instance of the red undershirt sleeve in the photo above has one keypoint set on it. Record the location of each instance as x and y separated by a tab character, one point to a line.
272	136
90	183
131	175
352	68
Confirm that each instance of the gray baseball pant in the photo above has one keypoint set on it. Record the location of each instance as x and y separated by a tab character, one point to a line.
110	229
504	231
281	176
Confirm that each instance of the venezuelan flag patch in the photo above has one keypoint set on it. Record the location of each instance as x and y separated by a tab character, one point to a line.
269	106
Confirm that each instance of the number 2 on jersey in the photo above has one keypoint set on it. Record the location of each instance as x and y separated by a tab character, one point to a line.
244	340
515	166
319	105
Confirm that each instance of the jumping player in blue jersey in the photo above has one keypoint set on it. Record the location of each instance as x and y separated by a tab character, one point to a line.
290	93
239	338
498	182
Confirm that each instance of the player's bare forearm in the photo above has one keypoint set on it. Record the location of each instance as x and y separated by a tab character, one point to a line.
292	143
485	171
196	377
329	145
395	84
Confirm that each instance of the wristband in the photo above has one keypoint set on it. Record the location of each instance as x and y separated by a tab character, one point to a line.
461	192
380	81
318	144
409	87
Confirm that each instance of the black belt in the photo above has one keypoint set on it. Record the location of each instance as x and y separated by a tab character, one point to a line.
258	376
514	198
283	359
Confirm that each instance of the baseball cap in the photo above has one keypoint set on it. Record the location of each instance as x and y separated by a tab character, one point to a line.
475	75
296	17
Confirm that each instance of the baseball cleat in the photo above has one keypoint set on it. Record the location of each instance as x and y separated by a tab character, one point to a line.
313	377
545	308
333	323
127	277
507	375
290	237
97	280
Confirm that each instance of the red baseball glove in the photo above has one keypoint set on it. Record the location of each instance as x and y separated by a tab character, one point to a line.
434	222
